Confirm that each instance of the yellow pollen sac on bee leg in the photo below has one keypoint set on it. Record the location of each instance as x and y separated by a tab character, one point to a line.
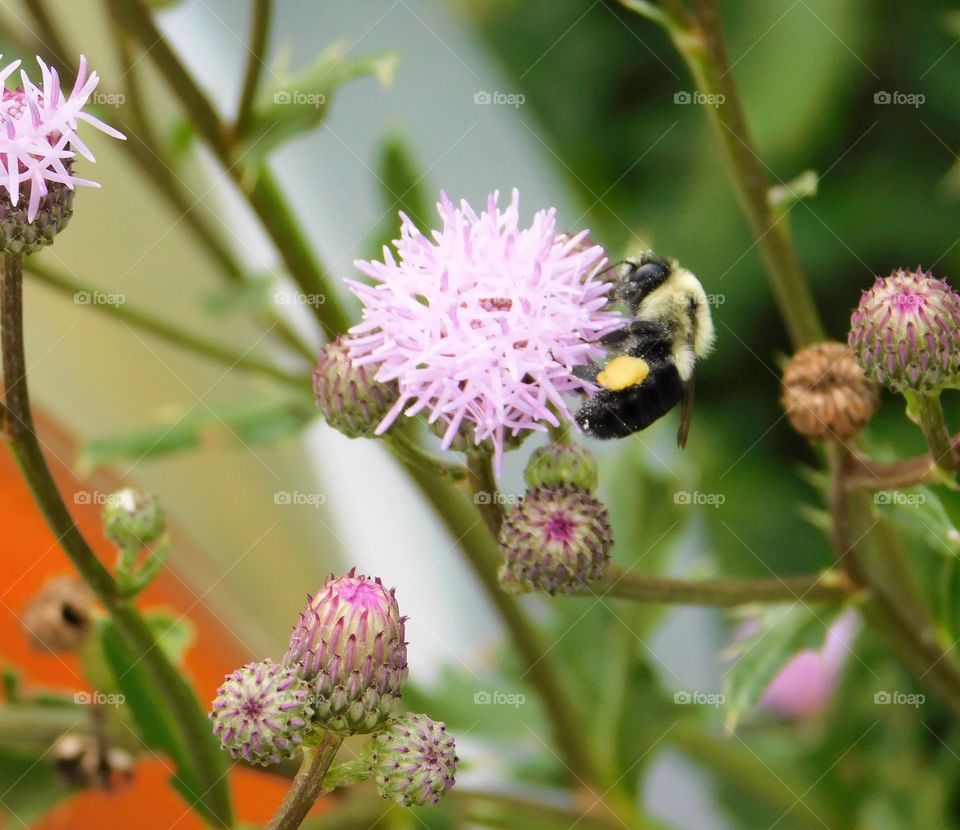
623	372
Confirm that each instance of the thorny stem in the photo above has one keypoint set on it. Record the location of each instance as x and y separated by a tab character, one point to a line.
830	586
192	731
170	332
701	43
307	787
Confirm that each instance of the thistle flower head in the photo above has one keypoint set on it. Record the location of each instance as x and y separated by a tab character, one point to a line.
262	712
38	145
133	519
349	644
60	616
482	323
557	539
413	760
349	397
906	331
825	392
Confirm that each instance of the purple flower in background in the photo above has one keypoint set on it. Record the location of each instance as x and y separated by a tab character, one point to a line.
481	323
807	683
38	133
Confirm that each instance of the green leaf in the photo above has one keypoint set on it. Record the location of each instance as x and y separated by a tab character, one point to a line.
920	513
783	631
31	786
299	103
259	421
175	634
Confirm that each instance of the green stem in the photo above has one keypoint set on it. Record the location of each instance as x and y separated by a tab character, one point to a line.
702	46
483	486
935	429
307	787
869	474
165	330
830	586
257	47
189	720
413	453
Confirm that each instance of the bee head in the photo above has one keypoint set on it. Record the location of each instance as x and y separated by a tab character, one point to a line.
639	277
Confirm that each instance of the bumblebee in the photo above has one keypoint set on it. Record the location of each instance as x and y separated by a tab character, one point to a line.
651	363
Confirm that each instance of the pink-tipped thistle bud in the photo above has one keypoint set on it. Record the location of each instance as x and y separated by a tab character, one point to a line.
557	540
348	396
906	332
349	645
262	712
557	464
413	760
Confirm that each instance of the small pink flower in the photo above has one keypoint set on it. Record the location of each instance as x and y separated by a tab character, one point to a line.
38	133
483	322
807	683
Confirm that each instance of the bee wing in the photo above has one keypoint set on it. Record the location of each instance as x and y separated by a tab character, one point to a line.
686	413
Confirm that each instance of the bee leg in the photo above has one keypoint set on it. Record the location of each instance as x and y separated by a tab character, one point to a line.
587	372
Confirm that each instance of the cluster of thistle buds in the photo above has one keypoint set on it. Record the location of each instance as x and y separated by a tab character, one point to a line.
557	538
343	673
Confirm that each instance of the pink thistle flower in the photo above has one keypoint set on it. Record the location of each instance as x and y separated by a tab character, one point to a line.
482	324
38	133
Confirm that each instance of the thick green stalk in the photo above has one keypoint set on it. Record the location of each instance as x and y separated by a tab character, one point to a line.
935	430
307	787
191	724
830	586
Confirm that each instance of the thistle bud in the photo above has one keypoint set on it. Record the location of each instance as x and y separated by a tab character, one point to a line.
18	235
825	392
349	645
557	464
906	332
132	519
557	539
413	760
85	761
348	396
262	712
60	616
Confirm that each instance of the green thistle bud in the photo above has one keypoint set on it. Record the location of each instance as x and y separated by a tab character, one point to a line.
348	396
20	236
349	644
906	332
132	519
557	464
413	760
557	539
262	713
